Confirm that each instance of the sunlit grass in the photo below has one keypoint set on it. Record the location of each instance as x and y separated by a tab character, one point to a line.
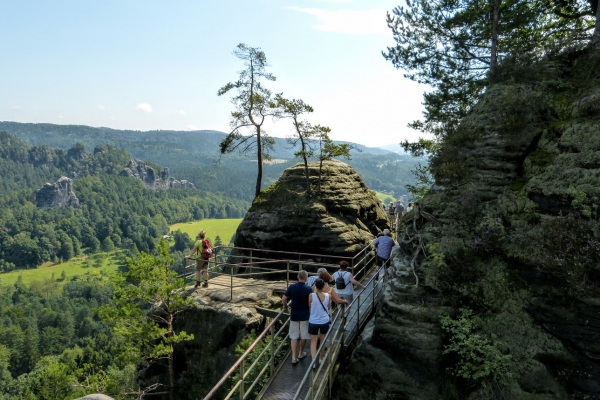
224	228
76	266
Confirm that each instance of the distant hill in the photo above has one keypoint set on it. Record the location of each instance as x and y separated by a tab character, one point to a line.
194	156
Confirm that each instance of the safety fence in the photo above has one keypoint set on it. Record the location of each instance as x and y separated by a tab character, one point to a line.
346	323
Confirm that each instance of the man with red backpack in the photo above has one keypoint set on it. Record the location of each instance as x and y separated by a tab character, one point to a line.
206	251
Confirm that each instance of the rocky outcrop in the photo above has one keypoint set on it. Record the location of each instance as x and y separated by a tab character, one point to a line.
218	325
58	194
512	236
400	355
140	170
339	221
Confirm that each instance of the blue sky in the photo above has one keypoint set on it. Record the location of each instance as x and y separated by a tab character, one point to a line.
158	64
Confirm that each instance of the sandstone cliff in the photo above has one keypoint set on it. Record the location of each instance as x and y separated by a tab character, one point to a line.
140	170
513	259
339	221
58	194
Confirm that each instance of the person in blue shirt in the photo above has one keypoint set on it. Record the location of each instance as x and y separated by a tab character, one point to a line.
298	293
384	246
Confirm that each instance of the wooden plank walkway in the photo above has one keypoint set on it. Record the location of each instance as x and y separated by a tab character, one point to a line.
287	380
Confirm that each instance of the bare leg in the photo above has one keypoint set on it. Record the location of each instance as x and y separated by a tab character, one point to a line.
322	337
302	345
206	275
294	346
313	345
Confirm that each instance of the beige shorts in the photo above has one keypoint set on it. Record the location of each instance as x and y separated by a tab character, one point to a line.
201	264
299	330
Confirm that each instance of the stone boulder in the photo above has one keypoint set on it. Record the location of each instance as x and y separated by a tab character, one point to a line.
339	221
58	194
140	170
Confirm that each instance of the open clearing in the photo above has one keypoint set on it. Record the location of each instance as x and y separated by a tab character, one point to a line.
224	228
79	265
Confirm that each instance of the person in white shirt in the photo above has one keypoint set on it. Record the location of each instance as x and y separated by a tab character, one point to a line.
318	323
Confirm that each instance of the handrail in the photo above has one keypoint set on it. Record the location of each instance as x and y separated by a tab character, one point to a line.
242	357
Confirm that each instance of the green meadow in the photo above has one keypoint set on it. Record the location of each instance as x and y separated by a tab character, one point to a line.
224	228
108	262
386	198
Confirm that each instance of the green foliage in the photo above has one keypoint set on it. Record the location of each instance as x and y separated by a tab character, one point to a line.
479	358
147	299
423	183
260	364
252	105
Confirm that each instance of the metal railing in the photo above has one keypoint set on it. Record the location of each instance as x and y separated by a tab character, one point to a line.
360	266
344	329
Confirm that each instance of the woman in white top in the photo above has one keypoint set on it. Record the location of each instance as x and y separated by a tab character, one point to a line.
318	323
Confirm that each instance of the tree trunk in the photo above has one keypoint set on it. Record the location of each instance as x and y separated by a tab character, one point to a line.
494	50
171	366
259	161
320	174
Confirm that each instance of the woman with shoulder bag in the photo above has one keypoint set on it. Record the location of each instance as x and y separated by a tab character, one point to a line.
318	323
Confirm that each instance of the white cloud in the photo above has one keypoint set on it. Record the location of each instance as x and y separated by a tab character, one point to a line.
356	22
192	127
101	107
182	112
112	118
60	117
15	108
145	107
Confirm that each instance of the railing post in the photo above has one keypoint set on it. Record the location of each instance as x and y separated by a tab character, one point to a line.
272	350
358	314
242	394
231	283
287	275
250	261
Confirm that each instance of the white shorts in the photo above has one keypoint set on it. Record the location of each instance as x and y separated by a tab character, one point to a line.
299	330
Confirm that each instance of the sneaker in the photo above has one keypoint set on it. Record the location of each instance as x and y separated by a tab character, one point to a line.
301	356
205	284
197	284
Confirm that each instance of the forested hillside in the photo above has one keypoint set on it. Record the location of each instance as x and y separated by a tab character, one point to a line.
115	211
194	156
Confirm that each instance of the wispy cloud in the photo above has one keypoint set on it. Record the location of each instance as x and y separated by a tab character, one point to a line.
60	117
192	127
15	108
355	22
145	107
101	107
182	112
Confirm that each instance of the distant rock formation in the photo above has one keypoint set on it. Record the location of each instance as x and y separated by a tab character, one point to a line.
140	170
59	194
340	221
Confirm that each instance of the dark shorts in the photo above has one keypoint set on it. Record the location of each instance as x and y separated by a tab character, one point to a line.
315	329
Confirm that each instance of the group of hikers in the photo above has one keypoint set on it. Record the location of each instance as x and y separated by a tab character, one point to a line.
395	211
310	300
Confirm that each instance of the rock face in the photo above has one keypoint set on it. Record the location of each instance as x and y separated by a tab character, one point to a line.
218	326
59	194
511	236
340	221
140	170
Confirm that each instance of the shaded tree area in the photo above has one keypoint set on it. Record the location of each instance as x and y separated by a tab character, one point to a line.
115	211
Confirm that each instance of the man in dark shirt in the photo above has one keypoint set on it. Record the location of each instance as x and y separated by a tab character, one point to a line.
299	314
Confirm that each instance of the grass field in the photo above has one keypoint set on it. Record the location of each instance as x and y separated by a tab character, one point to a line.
76	266
225	228
384	197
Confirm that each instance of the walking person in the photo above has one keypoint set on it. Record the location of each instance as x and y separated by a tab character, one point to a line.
298	293
318	323
384	245
203	245
344	282
399	211
391	211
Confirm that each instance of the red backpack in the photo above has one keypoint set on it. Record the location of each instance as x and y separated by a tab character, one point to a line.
207	249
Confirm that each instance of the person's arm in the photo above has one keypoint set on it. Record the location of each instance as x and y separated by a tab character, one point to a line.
337	298
356	282
309	300
194	250
284	300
